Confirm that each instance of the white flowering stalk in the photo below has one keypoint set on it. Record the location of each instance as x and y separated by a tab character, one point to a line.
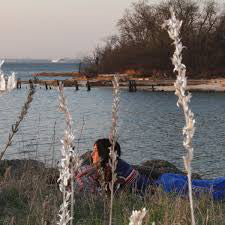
11	84
137	216
113	139
173	26
2	83
70	162
15	126
6	85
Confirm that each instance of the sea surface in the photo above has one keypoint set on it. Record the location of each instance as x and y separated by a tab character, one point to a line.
150	124
24	70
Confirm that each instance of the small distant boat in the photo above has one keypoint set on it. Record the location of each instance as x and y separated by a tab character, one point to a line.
55	60
62	60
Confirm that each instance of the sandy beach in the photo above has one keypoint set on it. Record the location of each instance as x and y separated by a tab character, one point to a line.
209	87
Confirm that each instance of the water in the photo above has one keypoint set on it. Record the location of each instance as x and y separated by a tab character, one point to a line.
150	126
24	70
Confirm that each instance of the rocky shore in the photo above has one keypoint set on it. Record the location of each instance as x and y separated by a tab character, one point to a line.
16	168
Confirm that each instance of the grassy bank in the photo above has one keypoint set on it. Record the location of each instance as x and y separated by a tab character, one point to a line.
32	198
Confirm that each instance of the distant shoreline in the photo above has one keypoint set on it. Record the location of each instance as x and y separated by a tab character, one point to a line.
142	83
58	74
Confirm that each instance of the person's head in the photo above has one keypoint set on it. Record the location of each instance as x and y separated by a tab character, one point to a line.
101	150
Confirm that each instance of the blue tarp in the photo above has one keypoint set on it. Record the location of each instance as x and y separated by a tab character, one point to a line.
179	183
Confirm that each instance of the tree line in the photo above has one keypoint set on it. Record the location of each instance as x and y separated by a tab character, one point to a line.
143	46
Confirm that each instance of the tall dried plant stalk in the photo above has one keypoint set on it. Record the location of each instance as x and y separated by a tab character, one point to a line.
113	139
15	126
70	162
10	84
137	216
173	27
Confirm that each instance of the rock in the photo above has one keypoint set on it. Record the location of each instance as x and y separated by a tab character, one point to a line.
149	168
154	168
19	166
16	168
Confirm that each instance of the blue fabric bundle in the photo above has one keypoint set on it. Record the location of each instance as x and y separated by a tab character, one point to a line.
179	184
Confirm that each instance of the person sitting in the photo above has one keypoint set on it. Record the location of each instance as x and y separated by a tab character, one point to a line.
130	179
127	177
86	179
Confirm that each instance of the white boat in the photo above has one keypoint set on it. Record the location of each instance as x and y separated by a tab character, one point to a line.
63	60
55	60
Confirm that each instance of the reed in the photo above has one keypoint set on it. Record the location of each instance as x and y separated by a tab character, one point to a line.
113	139
70	162
173	27
9	85
15	126
6	85
137	216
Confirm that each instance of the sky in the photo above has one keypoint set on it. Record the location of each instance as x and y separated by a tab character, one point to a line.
56	28
52	29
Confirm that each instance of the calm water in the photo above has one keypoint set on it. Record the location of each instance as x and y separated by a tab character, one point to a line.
26	69
150	126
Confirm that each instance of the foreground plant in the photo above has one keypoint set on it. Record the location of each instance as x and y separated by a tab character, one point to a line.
137	217
113	139
23	113
10	84
173	26
70	162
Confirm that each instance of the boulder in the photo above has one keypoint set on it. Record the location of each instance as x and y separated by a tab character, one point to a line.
18	166
15	168
154	168
149	168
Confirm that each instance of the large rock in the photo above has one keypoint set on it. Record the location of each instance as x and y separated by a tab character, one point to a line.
149	168
16	168
154	168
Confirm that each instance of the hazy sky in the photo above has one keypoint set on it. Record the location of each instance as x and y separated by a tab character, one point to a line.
56	28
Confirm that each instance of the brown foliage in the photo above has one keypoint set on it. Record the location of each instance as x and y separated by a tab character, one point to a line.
143	46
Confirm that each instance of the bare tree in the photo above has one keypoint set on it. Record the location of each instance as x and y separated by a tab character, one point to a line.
142	45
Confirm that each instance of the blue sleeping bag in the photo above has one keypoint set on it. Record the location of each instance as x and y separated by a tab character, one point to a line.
179	183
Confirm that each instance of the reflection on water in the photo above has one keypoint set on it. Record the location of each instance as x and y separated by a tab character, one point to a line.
150	126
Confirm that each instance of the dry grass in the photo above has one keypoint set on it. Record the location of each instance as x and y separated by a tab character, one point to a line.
28	198
31	199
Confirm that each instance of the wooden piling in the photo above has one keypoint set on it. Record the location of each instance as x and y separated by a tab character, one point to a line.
153	88
132	86
88	86
76	85
46	86
18	83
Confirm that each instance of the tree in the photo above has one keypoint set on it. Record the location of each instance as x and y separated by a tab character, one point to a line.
142	45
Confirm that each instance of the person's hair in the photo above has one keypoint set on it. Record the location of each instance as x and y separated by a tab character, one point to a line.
103	146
